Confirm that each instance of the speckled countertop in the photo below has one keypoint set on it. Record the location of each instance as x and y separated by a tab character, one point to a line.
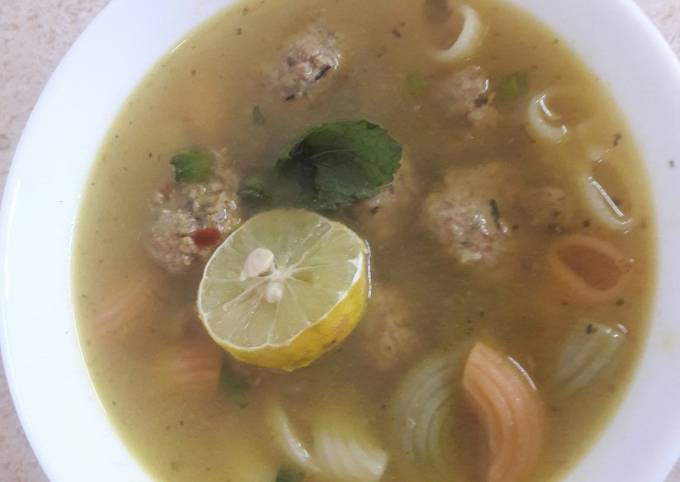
34	35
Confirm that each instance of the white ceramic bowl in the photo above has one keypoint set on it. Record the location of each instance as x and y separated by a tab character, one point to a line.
57	404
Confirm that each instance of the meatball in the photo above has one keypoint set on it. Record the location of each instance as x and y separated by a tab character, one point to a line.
467	214
313	55
382	214
546	207
387	333
466	94
190	219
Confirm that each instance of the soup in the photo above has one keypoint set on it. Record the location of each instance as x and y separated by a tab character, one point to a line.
365	241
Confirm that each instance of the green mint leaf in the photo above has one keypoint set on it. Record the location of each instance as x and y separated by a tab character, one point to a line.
257	188
192	166
513	86
336	164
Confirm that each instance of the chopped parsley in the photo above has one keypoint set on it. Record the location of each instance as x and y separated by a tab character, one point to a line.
233	388
495	213
415	82
513	86
258	116
192	166
287	475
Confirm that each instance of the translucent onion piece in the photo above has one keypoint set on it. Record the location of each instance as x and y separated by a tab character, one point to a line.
540	119
594	270
246	461
603	207
587	353
422	407
126	306
468	40
191	366
506	400
345	451
288	440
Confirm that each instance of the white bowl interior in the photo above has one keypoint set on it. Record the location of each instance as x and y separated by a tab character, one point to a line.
58	406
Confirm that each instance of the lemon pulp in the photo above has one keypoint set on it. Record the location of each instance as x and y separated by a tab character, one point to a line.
284	288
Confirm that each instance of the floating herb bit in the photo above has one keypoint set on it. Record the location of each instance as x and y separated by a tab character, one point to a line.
192	166
415	82
495	213
287	475
233	388
513	86
258	116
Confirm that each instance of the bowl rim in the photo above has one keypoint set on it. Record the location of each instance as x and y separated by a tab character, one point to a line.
33	179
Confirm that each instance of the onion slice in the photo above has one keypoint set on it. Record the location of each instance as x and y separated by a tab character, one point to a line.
344	449
422	408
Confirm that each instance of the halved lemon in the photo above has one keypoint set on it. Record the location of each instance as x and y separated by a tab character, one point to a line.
284	288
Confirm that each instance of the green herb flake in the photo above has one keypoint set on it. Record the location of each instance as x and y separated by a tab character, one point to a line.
233	388
258	116
415	82
330	167
287	475
513	86
192	166
495	213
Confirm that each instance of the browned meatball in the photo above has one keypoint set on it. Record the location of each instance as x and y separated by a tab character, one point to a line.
313	55
466	213
466	94
190	219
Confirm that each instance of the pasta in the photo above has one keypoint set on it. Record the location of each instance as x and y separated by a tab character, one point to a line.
468	40
593	270
506	400
542	122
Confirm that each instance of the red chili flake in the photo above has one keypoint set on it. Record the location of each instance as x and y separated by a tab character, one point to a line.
206	237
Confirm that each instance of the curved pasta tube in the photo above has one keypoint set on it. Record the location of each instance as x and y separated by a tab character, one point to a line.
422	407
594	270
343	451
468	40
506	400
540	118
587	353
604	208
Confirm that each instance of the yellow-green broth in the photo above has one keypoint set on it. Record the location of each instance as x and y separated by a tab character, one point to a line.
203	95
